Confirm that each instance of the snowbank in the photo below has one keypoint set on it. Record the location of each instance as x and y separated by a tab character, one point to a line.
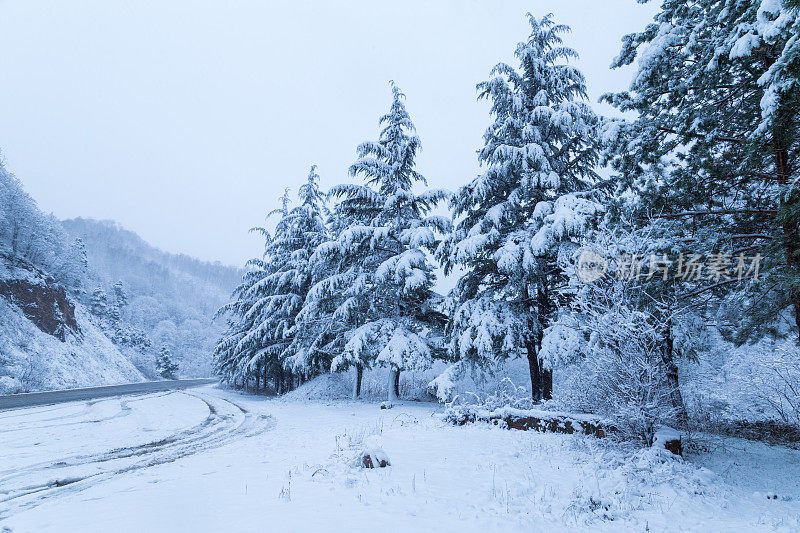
339	385
530	419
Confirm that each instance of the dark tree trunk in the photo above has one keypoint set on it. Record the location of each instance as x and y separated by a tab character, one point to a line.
547	384
672	376
397	384
535	370
359	377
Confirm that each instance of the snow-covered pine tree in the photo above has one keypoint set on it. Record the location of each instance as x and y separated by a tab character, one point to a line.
233	353
98	303
75	268
164	365
279	296
716	148
120	300
334	305
380	275
267	303
537	161
229	361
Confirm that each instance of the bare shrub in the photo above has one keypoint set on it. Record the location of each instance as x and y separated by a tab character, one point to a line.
625	370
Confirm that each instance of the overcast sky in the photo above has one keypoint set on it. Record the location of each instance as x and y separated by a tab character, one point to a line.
185	120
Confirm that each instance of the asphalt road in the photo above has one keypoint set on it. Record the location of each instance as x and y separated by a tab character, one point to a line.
13	401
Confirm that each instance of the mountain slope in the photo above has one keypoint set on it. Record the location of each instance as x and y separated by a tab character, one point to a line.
47	340
172	298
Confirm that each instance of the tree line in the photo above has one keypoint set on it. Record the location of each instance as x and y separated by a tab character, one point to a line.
705	172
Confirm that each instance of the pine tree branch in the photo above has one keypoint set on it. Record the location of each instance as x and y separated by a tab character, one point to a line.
711	212
700	135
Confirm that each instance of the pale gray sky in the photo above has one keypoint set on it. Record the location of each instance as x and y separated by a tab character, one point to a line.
185	120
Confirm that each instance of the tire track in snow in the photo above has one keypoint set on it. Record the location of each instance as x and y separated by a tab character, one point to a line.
125	410
226	422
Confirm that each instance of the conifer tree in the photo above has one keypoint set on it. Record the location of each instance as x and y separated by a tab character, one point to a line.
120	300
279	296
230	361
537	160
164	364
714	152
233	353
98	303
378	273
262	330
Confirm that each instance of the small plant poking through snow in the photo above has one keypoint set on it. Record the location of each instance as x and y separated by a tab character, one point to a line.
361	448
286	490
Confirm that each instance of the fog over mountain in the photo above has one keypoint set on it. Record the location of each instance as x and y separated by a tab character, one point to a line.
86	302
173	297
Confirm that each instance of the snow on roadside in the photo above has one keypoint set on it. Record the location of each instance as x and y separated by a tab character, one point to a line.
303	474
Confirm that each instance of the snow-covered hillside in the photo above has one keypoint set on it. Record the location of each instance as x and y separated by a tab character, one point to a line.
171	297
43	347
97	307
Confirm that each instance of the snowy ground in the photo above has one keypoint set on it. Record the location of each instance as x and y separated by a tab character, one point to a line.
213	460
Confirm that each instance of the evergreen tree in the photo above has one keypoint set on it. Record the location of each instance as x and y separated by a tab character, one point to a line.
75	268
323	322
120	300
261	334
537	159
279	296
164	364
232	355
364	307
714	151
98	304
229	360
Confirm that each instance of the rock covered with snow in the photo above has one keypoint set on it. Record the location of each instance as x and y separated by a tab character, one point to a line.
531	419
669	439
373	455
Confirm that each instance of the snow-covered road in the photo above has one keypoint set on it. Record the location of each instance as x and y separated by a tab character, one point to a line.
57	450
208	459
15	401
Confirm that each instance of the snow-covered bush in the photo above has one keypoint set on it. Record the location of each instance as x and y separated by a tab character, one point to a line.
504	394
632	389
614	355
464	382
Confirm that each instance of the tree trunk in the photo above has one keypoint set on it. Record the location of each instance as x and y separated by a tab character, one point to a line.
672	377
536	374
357	385
547	384
289	381
394	380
